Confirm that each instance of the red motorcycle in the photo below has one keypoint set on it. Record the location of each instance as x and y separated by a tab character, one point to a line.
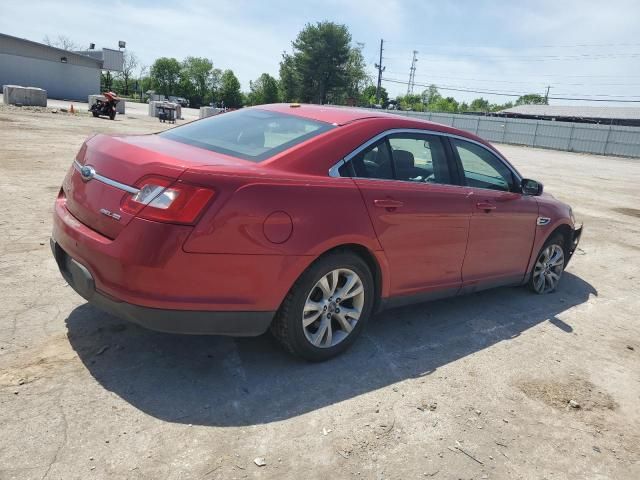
107	107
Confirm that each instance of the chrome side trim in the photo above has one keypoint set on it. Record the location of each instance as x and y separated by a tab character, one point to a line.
333	171
107	181
541	221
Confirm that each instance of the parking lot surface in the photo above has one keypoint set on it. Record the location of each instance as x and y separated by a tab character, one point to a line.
473	387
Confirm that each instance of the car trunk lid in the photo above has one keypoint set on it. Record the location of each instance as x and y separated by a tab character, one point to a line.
113	167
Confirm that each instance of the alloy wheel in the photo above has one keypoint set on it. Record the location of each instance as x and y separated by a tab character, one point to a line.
333	308
548	269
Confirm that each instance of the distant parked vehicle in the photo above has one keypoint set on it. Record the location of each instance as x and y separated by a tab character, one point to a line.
107	107
183	102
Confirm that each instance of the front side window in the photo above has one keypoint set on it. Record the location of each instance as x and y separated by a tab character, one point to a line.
251	134
482	169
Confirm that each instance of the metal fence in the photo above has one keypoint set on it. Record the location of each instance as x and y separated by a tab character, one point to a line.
571	137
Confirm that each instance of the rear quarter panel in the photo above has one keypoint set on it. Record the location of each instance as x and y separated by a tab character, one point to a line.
324	213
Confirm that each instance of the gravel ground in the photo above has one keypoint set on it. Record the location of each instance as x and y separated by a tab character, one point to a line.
474	387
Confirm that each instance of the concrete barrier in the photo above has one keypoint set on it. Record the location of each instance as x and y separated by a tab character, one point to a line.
153	108
119	105
210	111
27	96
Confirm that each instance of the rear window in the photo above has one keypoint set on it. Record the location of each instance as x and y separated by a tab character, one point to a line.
251	134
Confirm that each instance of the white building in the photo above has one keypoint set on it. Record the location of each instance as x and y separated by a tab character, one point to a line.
63	74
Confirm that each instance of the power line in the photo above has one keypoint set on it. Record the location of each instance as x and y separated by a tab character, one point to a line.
504	94
516	92
530	47
530	58
530	82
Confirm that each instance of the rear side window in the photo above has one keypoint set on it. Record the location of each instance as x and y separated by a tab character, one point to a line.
250	134
410	157
373	162
419	158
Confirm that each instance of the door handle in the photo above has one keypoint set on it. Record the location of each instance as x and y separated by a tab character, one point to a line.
388	203
486	206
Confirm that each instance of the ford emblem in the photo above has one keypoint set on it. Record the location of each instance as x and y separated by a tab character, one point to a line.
87	173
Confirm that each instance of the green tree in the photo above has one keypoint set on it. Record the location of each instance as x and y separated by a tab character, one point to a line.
263	90
368	96
411	102
448	104
230	90
199	80
357	76
145	83
106	81
498	107
165	74
321	60
531	99
430	96
289	79
480	105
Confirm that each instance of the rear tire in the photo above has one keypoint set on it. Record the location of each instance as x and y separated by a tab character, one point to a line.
327	308
549	265
95	114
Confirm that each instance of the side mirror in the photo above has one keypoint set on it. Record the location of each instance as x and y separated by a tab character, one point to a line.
531	187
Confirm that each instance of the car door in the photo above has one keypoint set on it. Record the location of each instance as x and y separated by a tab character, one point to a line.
420	218
503	220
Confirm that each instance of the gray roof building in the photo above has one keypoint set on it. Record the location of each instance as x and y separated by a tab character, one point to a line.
63	74
582	114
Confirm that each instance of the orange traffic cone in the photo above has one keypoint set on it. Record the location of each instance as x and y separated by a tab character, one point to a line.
72	110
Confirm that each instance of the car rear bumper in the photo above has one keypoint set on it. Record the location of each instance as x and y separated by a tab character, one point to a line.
145	276
147	266
235	323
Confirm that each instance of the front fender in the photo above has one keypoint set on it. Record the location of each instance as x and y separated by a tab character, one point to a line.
560	220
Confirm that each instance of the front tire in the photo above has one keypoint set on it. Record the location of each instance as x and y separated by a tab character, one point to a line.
548	266
327	308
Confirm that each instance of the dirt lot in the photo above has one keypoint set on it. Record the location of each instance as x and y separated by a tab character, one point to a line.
475	387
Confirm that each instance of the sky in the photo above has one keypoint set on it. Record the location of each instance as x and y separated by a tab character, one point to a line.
580	48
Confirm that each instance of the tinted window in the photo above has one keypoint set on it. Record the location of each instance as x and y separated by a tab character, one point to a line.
373	162
251	134
482	169
419	158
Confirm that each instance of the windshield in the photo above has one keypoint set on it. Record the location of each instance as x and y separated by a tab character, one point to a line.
251	134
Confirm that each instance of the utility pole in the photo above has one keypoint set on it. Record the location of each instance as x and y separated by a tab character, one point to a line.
546	95
412	73
380	70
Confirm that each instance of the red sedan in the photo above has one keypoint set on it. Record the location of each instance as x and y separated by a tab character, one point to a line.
301	219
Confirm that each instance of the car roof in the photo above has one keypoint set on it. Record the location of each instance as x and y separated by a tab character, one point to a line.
339	116
325	113
373	121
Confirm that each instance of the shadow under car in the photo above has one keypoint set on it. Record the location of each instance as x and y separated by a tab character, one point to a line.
226	381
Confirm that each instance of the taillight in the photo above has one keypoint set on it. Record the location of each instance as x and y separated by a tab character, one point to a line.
162	200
